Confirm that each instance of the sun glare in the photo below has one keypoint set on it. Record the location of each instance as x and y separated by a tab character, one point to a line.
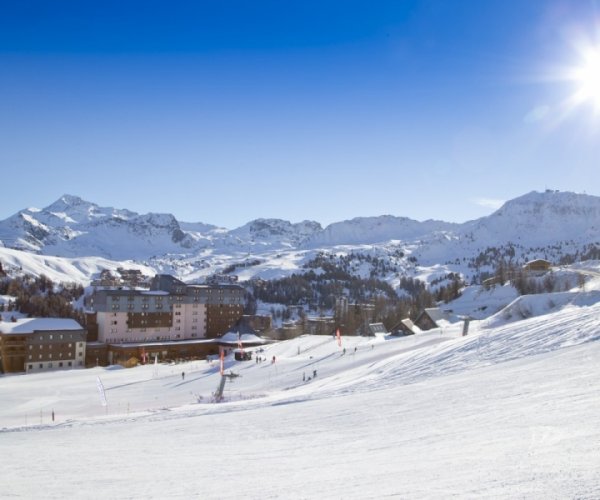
588	79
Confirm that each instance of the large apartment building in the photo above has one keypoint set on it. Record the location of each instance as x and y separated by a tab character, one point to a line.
41	344
169	311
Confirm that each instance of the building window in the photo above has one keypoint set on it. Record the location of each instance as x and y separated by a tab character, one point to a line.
41	365
70	363
30	367
60	364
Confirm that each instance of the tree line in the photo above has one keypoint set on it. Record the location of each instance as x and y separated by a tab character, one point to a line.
39	296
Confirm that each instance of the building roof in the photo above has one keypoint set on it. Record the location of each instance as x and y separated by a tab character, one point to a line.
232	338
406	323
164	343
537	262
377	328
241	331
436	314
30	325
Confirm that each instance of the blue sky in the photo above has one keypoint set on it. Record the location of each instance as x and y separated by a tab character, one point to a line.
222	111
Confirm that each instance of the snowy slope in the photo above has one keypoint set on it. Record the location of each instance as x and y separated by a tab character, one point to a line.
510	411
61	269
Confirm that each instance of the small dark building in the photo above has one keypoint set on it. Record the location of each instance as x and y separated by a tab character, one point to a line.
404	327
429	317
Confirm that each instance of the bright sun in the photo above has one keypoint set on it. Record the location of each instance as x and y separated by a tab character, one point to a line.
588	79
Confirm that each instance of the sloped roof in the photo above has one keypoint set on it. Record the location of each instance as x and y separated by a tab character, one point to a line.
241	331
436	314
30	325
377	328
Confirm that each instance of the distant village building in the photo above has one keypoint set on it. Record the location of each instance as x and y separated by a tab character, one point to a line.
353	319
222	279
404	327
319	325
429	318
374	329
122	277
259	322
537	266
41	344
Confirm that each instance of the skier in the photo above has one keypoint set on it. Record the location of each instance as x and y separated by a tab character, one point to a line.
182	375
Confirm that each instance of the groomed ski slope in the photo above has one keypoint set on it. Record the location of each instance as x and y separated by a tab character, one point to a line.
510	411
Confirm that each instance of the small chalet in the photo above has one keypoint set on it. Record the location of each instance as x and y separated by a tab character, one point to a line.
405	327
241	335
374	329
537	266
429	318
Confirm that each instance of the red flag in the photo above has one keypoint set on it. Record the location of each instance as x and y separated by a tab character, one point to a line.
222	356
339	337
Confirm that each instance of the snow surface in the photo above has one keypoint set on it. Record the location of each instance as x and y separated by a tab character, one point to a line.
509	411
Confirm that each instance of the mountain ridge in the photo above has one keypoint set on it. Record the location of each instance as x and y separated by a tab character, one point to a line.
268	247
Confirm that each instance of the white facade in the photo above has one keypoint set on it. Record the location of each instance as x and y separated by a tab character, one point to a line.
189	322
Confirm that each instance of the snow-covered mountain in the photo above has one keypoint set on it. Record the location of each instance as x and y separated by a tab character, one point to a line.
547	224
371	230
72	227
540	219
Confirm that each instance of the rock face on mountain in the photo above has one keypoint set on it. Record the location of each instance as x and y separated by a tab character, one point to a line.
72	227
